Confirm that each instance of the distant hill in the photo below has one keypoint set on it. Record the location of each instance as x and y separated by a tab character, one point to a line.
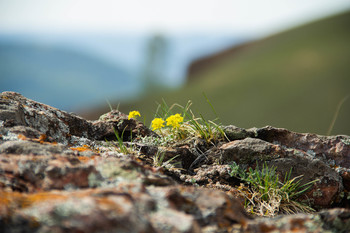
56	75
294	79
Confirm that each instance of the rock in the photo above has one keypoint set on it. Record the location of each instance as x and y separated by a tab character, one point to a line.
104	127
335	220
206	206
253	151
345	175
17	110
60	172
28	147
334	148
235	133
34	173
12	112
106	210
248	150
125	208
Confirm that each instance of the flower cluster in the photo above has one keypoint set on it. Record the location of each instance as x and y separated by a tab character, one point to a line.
157	123
134	114
174	121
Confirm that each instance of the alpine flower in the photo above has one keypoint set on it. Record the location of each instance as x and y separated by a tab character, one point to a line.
157	123
133	114
174	120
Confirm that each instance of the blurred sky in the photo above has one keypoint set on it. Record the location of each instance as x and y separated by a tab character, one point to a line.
251	17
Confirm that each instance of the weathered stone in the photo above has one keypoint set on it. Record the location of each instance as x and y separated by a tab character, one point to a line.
206	206
336	148
235	133
11	112
32	173
143	148
180	155
252	152
21	130
58	174
127	208
47	120
335	220
168	221
325	191
28	147
247	150
103	210
126	128
60	125
345	175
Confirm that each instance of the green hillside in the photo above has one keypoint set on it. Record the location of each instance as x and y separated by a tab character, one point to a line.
294	79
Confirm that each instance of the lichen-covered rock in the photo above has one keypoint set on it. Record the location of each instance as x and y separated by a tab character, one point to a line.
17	110
335	220
336	149
62	173
235	133
33	173
248	150
28	147
253	151
205	205
125	208
102	210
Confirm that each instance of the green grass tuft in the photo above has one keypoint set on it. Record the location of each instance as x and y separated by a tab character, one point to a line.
266	195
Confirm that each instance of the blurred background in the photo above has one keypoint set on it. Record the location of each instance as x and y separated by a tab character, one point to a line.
280	63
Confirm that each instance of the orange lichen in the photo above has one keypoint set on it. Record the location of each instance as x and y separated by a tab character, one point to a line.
41	197
81	148
41	139
107	203
22	137
85	159
22	200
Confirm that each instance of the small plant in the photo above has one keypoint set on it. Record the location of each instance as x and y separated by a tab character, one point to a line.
185	124
176	126
206	129
165	140
158	159
266	196
122	148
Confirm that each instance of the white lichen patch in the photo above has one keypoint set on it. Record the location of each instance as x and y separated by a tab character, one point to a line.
346	141
80	141
10	137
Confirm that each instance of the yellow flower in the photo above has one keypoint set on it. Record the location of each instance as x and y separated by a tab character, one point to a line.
133	114
157	123
174	120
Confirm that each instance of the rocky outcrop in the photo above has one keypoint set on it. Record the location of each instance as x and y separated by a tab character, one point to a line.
252	150
62	173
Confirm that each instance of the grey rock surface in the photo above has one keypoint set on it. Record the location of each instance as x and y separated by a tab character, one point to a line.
62	173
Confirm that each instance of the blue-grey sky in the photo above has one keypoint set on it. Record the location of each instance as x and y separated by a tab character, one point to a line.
255	17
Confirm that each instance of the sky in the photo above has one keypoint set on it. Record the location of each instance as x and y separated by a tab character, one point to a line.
255	17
